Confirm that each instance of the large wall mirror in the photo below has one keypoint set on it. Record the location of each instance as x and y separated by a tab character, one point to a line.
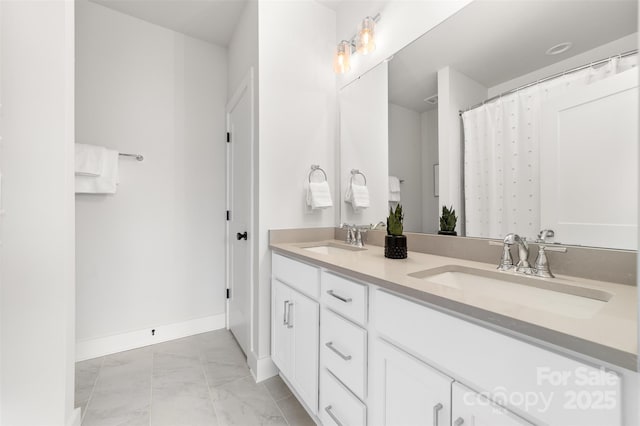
522	115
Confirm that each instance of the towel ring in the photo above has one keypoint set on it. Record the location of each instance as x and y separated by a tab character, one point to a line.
357	172
316	168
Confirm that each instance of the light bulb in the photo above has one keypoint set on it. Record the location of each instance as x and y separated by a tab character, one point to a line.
342	58
366	42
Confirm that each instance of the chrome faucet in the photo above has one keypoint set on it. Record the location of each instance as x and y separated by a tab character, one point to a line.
523	266
541	265
354	232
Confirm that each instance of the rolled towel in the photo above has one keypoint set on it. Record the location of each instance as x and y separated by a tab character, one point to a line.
106	182
319	195
89	159
358	196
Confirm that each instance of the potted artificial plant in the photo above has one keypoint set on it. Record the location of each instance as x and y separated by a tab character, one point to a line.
448	221
395	244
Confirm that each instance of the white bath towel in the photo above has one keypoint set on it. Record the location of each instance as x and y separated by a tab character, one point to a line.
319	195
106	183
89	159
358	196
394	189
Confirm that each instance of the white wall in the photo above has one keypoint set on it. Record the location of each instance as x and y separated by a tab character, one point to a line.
153	253
430	203
456	91
401	23
37	251
243	48
405	162
364	142
297	128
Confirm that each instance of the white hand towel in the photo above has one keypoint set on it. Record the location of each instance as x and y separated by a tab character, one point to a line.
394	189
358	196
319	195
106	183
394	184
89	159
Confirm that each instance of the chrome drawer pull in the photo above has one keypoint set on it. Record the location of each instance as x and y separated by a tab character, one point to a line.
337	352
289	322
436	410
343	299
284	312
459	421
333	416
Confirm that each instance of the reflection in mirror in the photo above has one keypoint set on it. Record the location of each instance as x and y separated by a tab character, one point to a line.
545	139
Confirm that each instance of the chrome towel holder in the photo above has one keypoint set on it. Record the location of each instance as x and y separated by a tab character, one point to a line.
136	156
355	172
317	168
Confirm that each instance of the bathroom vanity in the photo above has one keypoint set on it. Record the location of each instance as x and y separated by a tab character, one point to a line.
364	340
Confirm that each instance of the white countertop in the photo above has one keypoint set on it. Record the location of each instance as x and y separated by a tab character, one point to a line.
607	331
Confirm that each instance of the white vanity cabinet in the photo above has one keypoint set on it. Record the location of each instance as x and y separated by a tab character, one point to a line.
294	328
358	355
406	391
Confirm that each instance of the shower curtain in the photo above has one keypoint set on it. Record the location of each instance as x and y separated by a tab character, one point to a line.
502	154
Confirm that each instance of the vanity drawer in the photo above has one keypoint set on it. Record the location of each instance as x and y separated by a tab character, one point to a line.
302	277
345	297
338	406
344	351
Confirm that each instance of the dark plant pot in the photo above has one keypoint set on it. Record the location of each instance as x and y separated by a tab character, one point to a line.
454	233
395	246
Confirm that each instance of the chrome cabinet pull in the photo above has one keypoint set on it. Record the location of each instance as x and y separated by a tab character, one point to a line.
284	312
342	299
289	322
436	410
459	421
337	352
333	416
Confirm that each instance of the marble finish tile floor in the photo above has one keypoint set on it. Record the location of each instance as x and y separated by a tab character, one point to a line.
200	380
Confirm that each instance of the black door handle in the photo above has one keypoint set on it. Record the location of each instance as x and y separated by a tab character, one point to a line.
240	236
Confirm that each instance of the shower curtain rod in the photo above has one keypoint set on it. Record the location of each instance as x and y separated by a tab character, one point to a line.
551	77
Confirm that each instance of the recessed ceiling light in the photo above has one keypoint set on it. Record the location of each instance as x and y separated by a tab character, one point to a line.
559	48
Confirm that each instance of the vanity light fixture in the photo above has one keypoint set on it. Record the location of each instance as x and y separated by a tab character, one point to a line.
342	59
366	40
362	42
559	48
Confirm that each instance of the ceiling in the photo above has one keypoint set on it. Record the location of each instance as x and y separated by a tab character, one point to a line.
496	41
210	20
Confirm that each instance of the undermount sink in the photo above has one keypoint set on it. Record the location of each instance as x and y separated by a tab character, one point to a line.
559	298
332	248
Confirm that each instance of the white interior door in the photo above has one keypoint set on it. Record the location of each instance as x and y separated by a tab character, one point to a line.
589	163
240	208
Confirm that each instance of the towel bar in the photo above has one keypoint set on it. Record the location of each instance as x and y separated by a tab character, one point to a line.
357	172
137	156
316	168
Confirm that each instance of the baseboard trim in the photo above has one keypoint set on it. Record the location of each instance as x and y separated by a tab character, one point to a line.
75	418
93	348
261	368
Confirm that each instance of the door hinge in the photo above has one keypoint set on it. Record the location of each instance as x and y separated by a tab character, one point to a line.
228	137
228	215
228	293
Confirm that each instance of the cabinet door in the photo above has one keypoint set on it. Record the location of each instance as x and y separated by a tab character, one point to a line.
280	323
407	391
473	409
304	317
